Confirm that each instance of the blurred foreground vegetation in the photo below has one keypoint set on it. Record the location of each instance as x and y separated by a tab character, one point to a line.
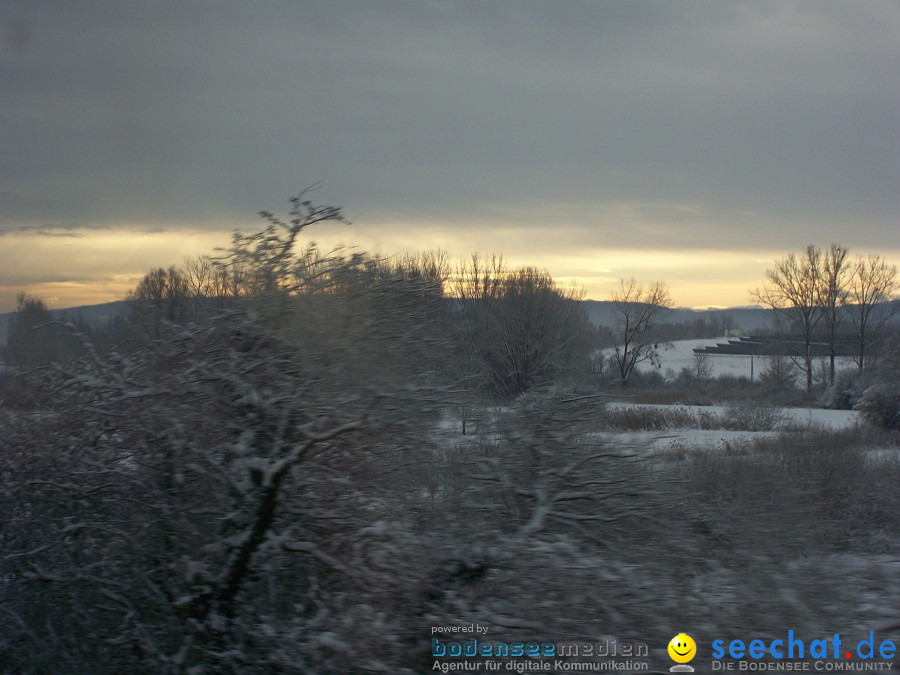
307	469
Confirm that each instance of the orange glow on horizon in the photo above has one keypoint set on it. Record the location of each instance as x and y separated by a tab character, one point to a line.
102	266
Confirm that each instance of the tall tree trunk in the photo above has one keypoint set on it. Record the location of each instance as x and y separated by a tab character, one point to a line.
831	366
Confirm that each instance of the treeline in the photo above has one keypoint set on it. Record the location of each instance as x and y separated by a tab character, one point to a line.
481	326
512	328
503	330
37	337
493	329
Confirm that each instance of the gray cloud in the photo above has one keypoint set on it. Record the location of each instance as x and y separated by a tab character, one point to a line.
62	230
701	124
73	230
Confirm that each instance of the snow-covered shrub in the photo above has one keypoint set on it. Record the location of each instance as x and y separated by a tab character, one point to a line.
880	402
847	390
226	498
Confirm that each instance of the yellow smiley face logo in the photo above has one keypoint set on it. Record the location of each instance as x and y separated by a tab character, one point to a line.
682	648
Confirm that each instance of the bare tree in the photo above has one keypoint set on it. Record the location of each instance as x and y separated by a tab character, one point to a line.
212	284
197	271
794	290
160	296
871	288
701	368
637	310
268	261
522	328
779	373
30	342
833	291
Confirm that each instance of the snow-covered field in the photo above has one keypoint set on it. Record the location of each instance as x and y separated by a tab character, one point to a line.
714	435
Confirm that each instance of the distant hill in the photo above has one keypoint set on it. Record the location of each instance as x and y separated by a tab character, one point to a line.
90	312
600	312
748	319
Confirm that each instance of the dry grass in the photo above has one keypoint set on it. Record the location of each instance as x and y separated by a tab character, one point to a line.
744	416
797	492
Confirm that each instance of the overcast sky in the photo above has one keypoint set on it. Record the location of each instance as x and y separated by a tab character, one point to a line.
688	142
